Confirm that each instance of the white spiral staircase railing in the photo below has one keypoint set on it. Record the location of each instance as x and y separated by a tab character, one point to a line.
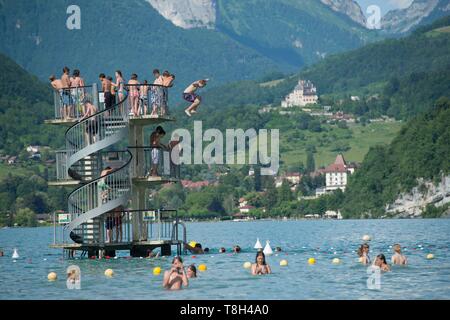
85	140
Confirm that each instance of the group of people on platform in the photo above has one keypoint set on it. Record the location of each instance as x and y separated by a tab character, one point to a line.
77	103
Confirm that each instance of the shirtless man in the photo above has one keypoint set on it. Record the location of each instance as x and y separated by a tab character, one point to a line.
190	96
398	257
66	94
78	93
106	88
156	145
176	277
260	266
57	85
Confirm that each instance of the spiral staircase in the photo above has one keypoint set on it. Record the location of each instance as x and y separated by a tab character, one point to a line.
84	143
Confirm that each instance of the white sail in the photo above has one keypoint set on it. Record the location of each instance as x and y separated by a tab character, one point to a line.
15	254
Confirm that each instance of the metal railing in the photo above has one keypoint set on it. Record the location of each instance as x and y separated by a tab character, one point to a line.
99	196
157	162
148	99
70	102
116	227
97	128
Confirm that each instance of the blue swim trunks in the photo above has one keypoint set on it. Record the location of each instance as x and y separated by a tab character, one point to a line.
190	97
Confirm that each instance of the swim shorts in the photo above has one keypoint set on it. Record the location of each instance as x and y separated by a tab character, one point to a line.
155	156
190	97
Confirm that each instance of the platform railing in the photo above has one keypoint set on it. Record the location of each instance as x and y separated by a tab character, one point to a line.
69	102
158	162
97	128
99	196
152	99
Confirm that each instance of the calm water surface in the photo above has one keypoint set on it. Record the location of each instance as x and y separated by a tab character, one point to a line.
26	278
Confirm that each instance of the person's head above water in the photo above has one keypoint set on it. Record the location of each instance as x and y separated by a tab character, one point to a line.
260	258
222	250
397	248
278	249
192	271
363	249
380	260
198	245
206	250
237	249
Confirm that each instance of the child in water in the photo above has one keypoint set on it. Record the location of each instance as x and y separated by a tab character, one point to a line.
398	257
380	262
260	266
363	253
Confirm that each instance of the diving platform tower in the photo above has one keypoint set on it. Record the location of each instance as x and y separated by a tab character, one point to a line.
109	208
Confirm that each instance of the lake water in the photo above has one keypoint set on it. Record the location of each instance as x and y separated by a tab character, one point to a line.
227	279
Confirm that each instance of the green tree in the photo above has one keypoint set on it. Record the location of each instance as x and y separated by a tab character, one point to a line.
25	217
310	163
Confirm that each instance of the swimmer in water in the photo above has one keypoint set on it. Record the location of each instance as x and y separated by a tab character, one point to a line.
197	249
260	266
398	257
363	253
380	262
236	249
191	271
222	250
176	277
278	249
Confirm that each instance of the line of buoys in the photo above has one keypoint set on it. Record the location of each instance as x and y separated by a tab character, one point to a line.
109	273
52	276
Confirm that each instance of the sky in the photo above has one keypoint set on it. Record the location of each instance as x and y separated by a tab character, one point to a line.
385	5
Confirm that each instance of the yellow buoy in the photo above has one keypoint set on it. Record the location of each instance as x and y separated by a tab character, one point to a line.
109	272
366	237
156	271
283	263
311	261
247	265
202	267
192	244
430	256
336	261
52	276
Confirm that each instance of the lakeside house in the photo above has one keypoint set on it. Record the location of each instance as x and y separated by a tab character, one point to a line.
194	185
336	175
304	93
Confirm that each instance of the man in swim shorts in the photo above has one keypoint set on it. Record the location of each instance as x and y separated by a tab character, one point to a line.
190	96
66	95
156	145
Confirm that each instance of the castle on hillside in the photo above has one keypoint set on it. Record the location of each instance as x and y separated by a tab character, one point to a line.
304	93
336	175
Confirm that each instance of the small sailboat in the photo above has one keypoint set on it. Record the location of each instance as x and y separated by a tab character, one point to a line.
258	244
267	249
15	254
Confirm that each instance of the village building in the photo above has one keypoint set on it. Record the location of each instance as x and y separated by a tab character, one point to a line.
304	93
336	175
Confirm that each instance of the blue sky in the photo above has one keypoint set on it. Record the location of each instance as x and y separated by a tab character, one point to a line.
385	5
